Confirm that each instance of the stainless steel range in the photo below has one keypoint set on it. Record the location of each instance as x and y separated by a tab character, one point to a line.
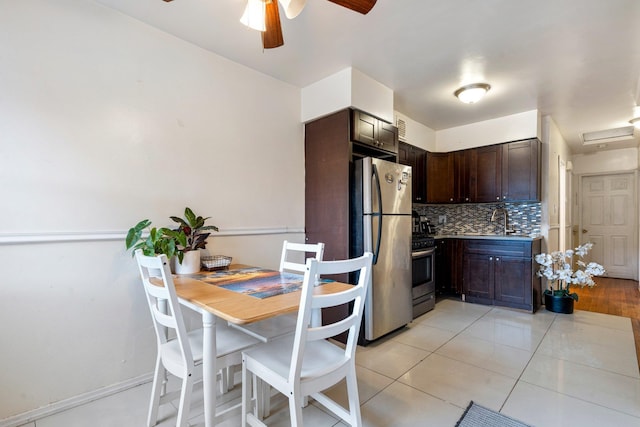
423	273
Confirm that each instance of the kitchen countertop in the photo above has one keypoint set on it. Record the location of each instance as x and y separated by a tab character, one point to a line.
521	237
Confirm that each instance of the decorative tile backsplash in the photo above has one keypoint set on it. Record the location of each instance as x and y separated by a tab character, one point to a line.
524	218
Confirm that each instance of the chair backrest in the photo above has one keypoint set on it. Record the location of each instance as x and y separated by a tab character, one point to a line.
288	247
163	303
310	302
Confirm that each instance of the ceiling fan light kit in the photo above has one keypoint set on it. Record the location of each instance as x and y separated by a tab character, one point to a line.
264	16
254	15
472	93
292	8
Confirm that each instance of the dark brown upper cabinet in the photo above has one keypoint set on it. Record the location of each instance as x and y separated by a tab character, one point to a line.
461	176
521	165
370	130
440	178
494	173
485	174
416	158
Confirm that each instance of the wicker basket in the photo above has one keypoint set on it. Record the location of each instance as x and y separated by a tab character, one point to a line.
215	262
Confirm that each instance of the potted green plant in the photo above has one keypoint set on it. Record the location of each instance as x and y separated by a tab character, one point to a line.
557	268
157	241
196	232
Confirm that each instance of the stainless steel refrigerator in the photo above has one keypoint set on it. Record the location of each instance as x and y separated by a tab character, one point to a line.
381	223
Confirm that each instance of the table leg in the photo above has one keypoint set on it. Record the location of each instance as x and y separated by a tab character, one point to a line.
209	368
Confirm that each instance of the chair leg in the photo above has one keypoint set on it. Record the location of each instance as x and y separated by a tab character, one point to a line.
263	395
354	400
231	372
185	401
295	410
246	393
157	389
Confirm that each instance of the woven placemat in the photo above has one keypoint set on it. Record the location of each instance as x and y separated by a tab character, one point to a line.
479	416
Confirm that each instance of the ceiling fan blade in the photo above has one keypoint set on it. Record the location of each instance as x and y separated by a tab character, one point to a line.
272	37
362	6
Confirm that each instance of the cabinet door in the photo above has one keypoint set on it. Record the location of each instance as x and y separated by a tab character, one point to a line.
478	277
455	249
440	178
364	128
461	165
387	136
512	278
521	170
442	267
486	172
416	158
369	130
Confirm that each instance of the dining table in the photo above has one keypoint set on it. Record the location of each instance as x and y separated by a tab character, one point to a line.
240	295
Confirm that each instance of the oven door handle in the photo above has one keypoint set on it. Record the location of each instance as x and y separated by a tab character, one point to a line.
422	253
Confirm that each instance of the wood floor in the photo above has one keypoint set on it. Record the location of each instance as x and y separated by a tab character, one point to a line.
619	297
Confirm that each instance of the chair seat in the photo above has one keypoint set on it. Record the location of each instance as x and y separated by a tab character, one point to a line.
228	340
276	356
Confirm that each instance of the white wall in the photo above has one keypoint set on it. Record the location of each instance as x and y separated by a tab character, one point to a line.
502	129
554	149
625	159
416	133
105	121
344	89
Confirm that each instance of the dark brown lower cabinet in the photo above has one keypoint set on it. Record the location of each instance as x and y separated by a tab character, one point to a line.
501	272
449	266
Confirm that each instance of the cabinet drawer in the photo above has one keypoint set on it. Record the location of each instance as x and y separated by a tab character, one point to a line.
498	247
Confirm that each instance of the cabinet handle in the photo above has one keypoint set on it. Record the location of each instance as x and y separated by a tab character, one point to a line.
490	258
451	199
497	259
498	198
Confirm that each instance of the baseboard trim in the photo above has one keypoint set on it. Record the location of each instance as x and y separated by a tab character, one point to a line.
72	402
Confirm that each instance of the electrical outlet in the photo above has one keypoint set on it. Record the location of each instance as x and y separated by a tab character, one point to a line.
442	219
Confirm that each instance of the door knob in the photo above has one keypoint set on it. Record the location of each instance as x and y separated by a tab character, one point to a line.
585	231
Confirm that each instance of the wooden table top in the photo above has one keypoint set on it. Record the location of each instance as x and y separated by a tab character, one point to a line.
239	308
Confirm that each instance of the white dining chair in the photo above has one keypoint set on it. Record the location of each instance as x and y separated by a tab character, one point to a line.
306	363
180	352
285	324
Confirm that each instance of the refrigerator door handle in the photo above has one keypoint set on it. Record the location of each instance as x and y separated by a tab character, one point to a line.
376	180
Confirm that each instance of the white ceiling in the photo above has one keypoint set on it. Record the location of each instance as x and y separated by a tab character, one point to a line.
576	60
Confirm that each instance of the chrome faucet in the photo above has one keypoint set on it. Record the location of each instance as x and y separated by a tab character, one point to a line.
506	219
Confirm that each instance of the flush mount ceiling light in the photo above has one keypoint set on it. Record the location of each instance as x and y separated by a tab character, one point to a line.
472	93
622	134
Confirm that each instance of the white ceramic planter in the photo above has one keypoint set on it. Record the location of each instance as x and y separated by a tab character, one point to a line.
190	263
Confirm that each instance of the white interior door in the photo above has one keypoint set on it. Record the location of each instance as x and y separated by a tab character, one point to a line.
609	221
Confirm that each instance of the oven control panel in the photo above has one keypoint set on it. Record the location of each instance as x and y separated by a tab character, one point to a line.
420	242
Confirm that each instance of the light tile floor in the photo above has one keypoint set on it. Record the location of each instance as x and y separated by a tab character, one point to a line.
544	369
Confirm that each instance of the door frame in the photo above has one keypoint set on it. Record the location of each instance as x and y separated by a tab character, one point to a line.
636	198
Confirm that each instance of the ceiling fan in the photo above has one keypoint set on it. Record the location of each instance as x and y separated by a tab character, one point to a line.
264	15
